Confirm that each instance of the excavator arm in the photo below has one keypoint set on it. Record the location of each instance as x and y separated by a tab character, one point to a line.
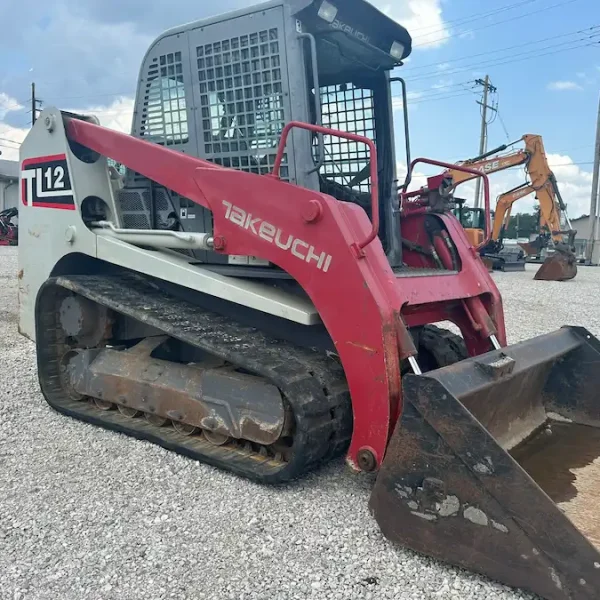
489	165
504	209
541	181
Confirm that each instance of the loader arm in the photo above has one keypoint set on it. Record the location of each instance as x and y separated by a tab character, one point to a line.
317	240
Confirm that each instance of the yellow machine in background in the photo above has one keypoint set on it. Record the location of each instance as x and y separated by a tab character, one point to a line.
541	181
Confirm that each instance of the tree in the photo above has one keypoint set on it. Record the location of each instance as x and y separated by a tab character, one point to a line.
527	224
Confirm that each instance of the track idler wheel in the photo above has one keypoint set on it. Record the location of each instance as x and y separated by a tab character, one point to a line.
155	420
103	404
128	412
216	439
184	428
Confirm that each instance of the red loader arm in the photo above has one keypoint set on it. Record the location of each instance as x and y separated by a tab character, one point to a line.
316	239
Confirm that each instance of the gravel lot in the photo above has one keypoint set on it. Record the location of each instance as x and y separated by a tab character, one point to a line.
85	513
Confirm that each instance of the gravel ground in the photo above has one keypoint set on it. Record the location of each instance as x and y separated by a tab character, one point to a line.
85	513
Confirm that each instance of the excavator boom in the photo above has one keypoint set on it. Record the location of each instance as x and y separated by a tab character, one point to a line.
561	266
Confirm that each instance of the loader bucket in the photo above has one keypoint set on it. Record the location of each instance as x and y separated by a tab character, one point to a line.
558	267
494	466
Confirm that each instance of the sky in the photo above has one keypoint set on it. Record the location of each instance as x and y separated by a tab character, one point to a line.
542	56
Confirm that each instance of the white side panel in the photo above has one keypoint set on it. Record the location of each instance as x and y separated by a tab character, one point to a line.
175	268
47	233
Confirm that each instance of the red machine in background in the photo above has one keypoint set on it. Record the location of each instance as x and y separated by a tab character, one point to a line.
9	232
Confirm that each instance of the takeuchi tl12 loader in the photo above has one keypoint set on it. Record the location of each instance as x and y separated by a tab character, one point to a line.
242	297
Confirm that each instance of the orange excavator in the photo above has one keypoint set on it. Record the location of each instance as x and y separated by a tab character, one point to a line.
562	264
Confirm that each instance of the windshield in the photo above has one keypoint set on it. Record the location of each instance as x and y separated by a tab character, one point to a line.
471	218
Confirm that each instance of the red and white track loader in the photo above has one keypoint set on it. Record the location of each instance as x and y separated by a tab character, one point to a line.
257	294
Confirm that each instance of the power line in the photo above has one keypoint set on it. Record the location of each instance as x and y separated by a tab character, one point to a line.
9	140
591	162
534	12
503	125
505	49
91	96
447	97
506	62
458	69
475	17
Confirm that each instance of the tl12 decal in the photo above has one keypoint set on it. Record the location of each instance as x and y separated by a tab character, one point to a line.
45	183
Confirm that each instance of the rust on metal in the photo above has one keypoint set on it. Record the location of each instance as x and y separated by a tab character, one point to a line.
564	460
558	267
363	347
218	400
494	466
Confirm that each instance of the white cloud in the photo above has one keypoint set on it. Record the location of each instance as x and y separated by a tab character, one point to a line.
10	149
422	18
117	115
8	104
442	84
574	183
10	137
418	179
562	86
397	103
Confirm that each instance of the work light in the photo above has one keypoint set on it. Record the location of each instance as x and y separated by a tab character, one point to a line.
397	50
328	12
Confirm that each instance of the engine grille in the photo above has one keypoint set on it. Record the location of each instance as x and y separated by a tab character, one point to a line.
135	207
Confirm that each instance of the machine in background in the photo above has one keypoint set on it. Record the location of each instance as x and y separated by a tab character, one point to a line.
555	227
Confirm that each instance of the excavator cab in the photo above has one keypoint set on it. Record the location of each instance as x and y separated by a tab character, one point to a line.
255	294
473	221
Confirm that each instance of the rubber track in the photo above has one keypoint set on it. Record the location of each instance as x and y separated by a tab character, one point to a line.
312	383
446	347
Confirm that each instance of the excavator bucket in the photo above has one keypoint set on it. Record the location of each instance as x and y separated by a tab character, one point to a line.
529	248
561	266
494	466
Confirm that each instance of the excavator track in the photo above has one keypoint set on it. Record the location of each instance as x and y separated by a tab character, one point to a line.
312	385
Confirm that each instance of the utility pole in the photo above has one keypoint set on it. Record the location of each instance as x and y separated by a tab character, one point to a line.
34	104
487	88
589	251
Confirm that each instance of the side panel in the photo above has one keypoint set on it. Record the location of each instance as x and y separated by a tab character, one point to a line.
54	183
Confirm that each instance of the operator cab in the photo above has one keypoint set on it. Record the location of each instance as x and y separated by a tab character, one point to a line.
470	218
223	89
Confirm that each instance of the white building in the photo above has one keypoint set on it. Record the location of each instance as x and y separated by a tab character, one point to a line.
9	184
583	226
